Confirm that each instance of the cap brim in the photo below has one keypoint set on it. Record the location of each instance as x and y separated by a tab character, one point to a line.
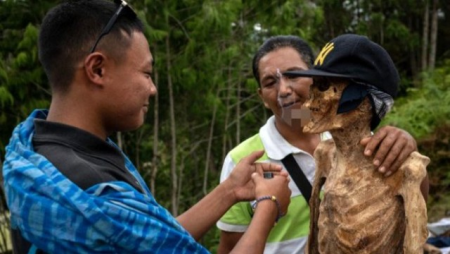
314	73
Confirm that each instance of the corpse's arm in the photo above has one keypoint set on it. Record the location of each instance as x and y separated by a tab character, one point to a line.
323	157
415	208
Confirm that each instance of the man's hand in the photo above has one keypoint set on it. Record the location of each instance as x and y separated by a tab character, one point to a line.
392	146
240	178
277	186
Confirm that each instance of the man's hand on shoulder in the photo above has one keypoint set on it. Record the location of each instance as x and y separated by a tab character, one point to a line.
391	147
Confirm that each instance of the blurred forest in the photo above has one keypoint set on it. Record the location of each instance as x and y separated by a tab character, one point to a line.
207	101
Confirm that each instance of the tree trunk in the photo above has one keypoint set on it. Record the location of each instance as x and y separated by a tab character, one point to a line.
433	35
426	23
155	134
173	162
413	55
227	115
119	140
208	151
139	137
238	111
180	182
357	12
4	218
330	26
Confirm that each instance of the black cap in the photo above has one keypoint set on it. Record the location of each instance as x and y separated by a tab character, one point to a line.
355	57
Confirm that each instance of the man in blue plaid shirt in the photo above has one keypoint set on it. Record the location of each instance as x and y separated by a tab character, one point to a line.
70	189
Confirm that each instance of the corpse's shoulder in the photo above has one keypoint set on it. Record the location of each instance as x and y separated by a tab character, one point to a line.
415	165
418	158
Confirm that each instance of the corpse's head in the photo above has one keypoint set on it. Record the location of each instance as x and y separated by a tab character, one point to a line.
327	97
353	79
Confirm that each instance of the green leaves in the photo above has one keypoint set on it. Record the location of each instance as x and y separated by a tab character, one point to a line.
6	98
211	45
424	108
30	38
3	75
22	82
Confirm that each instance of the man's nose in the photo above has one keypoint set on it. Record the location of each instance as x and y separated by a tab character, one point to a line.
285	88
153	89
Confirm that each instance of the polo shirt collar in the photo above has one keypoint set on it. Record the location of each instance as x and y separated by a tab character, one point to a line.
275	145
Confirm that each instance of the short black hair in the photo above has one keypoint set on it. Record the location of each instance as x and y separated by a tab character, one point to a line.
69	30
282	41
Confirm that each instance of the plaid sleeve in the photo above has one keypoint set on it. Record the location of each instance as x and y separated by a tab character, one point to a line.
110	217
58	217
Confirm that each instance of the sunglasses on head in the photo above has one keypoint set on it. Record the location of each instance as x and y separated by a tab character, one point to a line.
122	6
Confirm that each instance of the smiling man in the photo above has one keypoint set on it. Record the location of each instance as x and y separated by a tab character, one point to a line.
285	143
70	189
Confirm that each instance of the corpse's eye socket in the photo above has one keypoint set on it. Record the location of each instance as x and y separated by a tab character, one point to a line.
322	84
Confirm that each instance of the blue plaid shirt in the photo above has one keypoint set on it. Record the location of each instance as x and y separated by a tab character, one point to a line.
58	217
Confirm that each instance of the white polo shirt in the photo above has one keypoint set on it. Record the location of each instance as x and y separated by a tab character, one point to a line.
290	234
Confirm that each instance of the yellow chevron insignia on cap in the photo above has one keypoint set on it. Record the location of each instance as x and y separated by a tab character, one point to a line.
323	53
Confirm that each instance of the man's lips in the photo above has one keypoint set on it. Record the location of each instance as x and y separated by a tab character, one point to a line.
289	104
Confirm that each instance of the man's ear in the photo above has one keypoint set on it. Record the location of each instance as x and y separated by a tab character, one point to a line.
94	67
262	98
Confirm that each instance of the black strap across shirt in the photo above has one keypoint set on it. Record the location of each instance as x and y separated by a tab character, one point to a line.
82	157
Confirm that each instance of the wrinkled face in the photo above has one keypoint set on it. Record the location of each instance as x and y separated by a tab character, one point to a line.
282	95
325	94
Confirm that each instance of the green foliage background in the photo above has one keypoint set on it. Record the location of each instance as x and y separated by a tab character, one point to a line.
206	47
